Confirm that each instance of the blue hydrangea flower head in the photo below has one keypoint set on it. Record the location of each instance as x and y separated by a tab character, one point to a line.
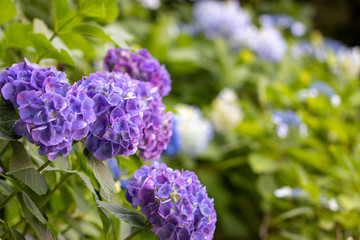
270	44
175	202
175	144
140	65
219	19
118	126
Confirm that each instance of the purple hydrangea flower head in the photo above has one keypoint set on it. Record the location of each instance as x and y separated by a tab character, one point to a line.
140	65
46	115
118	126
158	126
175	202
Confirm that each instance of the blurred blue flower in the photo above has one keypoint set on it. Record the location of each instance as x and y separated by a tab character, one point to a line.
283	21
318	87
175	145
269	44
284	120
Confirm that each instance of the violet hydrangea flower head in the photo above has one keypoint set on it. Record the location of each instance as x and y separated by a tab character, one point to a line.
158	126
46	116
27	76
175	202
140	65
118	126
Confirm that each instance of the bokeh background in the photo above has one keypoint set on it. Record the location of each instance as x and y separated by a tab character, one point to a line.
266	96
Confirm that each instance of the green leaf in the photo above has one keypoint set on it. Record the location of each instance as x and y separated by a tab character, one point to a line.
92	31
33	208
7	11
20	160
63	13
144	233
77	41
104	220
102	174
22	168
33	179
92	8
3	145
133	218
262	164
19	35
42	231
8	116
14	235
45	49
308	211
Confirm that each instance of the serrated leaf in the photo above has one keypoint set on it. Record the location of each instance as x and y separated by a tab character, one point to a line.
8	116
33	208
19	35
45	49
22	168
102	174
92	31
20	160
42	231
133	218
33	179
145	233
3	144
7	11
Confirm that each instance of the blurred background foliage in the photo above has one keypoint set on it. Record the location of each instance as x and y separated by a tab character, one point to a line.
304	185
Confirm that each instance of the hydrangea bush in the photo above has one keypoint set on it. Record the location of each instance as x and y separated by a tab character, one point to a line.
93	128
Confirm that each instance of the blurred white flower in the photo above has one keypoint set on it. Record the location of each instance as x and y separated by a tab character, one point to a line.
151	4
226	113
195	131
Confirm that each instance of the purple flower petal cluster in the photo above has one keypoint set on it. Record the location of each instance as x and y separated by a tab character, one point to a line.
139	65
175	202
158	126
118	126
47	116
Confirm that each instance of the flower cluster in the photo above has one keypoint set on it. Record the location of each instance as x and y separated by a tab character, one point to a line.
218	19
195	131
318	87
175	202
158	130
226	113
285	120
270	44
139	65
118	126
233	23
48	118
284	21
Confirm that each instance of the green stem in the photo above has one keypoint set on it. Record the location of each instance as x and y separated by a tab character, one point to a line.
55	34
137	232
50	194
8	198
